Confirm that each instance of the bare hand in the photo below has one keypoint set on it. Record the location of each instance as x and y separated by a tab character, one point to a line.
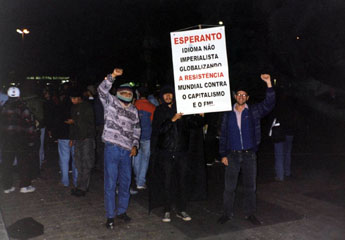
69	121
225	161
117	72
70	143
267	79
202	114
176	117
134	151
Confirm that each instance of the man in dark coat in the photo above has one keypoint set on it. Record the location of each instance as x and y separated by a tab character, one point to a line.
82	136
19	138
169	148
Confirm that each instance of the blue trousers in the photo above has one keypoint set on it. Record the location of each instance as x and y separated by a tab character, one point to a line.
117	170
141	162
66	153
41	151
282	157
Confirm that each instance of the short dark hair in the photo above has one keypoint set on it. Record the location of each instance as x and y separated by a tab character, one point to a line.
75	92
143	92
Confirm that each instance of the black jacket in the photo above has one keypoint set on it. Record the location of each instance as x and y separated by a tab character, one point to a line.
172	136
62	112
84	122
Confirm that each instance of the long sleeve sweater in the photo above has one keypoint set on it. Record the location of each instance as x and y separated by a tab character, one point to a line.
121	123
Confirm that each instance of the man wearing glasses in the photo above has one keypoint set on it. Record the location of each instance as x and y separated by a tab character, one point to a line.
239	141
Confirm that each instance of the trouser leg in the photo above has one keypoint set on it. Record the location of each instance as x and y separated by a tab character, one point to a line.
144	162
249	169
64	156
288	149
99	148
7	168
181	170
111	159
279	156
84	156
41	149
167	164
25	165
124	180
231	178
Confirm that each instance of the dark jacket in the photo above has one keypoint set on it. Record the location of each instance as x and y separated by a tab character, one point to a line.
172	136
249	137
36	107
99	111
18	123
84	121
62	112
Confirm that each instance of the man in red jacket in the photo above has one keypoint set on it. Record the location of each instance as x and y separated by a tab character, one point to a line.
141	160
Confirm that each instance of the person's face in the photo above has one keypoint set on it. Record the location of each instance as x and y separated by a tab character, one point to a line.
126	94
168	98
76	100
241	97
47	95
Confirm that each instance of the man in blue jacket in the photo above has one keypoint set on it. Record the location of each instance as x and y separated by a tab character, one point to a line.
239	140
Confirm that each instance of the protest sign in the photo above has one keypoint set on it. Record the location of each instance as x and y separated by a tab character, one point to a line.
201	71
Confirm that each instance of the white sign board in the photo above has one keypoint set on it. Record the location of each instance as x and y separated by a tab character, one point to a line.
201	71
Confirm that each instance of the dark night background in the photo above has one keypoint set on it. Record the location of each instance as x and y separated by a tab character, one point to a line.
86	39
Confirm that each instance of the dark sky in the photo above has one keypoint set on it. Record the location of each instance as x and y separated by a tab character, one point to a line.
86	39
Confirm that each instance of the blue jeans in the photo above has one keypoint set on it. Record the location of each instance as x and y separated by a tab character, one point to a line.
41	152
282	156
65	153
246	162
141	162
117	169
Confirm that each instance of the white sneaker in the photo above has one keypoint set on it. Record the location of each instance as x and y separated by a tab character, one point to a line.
166	217
132	191
184	216
27	189
9	190
141	187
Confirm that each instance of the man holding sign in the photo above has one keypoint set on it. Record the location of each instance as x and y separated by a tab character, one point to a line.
169	148
239	140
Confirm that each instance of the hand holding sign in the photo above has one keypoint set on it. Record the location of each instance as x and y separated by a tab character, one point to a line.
69	121
267	79
176	117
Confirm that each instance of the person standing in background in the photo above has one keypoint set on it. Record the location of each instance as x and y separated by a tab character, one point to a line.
141	160
82	137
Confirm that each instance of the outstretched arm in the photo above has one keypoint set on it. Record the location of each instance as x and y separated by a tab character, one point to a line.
268	103
104	88
267	79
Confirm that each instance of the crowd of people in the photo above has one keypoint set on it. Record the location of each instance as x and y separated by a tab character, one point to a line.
119	130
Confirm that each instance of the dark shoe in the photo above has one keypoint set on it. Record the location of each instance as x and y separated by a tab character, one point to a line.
77	192
110	223
253	220
124	217
278	179
223	219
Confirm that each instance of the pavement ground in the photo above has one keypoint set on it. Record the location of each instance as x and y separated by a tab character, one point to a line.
310	205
